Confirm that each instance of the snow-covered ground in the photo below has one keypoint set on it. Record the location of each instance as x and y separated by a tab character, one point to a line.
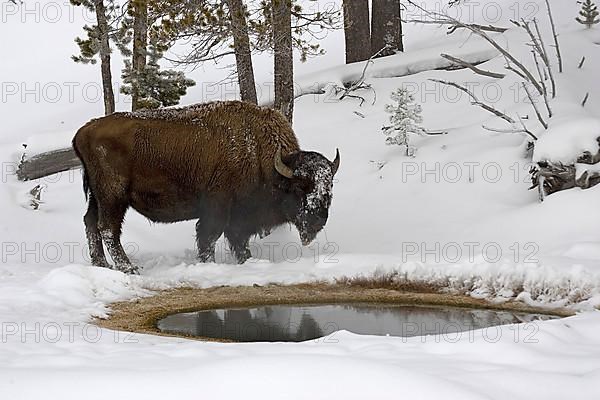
458	214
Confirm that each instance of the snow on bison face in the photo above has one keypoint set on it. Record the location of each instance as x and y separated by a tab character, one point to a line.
310	177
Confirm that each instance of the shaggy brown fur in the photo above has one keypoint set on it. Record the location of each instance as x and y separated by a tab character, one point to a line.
213	161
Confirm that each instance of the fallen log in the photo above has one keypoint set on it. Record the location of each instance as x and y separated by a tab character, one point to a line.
48	163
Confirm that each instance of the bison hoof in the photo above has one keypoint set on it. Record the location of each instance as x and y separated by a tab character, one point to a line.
206	257
128	269
242	258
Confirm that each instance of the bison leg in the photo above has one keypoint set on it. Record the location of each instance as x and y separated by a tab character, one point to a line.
238	243
208	231
93	234
110	222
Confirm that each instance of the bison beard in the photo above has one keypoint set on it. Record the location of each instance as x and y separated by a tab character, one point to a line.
235	167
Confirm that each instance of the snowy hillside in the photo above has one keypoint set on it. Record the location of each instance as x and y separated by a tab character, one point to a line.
458	215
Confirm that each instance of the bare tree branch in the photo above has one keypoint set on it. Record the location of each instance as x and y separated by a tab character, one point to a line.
545	57
472	67
360	82
445	19
525	128
535	108
502	130
361	79
556	45
499	130
476	101
516	71
585	99
540	48
454	27
543	83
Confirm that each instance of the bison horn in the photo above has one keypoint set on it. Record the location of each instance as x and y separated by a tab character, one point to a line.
281	167
336	162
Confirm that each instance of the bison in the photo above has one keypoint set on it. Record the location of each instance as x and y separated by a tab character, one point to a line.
235	167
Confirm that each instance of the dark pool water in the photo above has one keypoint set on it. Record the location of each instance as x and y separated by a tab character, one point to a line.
304	322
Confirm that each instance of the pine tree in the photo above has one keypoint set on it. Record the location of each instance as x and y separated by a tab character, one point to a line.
357	33
307	26
97	43
155	87
588	14
283	58
386	27
143	79
221	28
405	120
242	50
286	26
139	12
216	28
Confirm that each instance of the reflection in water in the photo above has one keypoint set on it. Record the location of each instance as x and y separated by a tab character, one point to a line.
299	323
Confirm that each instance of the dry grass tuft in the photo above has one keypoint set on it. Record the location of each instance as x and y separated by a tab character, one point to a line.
389	280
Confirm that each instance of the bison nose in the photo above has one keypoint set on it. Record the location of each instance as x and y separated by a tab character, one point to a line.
322	214
320	220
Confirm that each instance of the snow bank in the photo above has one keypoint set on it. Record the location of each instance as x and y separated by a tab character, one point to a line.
474	51
533	284
89	289
48	351
72	360
567	139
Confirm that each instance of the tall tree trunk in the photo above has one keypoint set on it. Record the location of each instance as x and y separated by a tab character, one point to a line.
140	44
243	55
284	58
386	27
109	96
356	30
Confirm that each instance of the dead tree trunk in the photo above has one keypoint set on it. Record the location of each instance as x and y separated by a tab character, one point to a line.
284	58
356	30
48	163
104	52
243	55
386	27
140	44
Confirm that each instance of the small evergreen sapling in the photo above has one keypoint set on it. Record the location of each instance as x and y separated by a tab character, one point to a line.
588	14
405	120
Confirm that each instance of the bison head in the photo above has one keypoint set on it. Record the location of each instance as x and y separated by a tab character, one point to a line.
307	180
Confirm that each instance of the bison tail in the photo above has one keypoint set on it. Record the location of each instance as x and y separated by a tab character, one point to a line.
86	184
86	181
